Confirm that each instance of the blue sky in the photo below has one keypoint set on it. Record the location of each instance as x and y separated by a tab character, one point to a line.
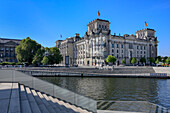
45	20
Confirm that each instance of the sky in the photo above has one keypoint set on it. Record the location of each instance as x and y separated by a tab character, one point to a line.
45	20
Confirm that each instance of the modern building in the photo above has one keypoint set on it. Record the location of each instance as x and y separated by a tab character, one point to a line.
98	43
7	49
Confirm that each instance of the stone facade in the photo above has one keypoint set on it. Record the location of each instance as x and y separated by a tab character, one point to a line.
7	49
98	43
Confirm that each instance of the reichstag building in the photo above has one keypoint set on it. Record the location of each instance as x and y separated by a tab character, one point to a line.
98	43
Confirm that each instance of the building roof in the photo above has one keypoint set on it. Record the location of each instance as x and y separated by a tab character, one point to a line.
10	39
98	20
145	29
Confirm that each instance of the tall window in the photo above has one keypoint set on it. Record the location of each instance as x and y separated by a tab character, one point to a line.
122	45
112	45
117	45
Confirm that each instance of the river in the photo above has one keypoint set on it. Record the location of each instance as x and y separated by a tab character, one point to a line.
125	89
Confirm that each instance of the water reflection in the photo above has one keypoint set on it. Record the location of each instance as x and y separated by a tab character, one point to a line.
126	89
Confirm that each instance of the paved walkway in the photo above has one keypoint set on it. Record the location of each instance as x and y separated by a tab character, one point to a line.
16	98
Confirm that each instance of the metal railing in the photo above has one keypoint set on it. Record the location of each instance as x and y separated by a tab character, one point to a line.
49	88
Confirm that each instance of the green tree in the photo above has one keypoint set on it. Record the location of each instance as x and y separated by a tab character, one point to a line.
38	56
27	49
45	60
53	55
159	58
123	61
143	60
164	59
111	59
133	61
168	60
157	61
151	60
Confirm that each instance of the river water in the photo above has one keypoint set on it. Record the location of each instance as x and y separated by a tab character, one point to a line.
125	89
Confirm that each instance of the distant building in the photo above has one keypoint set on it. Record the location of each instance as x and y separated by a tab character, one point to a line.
98	43
7	49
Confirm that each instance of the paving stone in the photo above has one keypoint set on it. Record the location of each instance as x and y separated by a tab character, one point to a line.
5	94
14	105
4	105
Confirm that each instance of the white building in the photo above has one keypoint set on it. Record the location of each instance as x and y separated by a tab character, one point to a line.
98	43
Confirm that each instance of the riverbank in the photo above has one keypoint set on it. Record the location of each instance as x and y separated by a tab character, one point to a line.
139	72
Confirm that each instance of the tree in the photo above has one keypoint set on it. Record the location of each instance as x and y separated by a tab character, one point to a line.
45	60
123	61
168	60
157	61
53	55
164	59
159	58
111	59
143	60
38	56
133	61
151	60
27	49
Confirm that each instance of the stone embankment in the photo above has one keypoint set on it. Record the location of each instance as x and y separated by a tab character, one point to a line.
153	72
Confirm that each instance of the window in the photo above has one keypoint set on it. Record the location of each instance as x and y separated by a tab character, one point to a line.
144	52
113	50
122	55
117	45
112	54
2	48
122	45
130	46
137	47
122	51
11	49
141	47
112	45
137	52
117	55
141	52
99	26
7	49
117	51
7	54
102	26
144	48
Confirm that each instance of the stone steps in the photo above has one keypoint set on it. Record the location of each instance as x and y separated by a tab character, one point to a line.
22	99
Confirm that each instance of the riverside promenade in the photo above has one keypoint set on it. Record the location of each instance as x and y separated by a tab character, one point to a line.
128	71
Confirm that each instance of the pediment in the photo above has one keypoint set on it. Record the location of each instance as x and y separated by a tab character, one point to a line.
10	43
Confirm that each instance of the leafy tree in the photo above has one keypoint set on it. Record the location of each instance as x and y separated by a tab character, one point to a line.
164	59
157	61
159	58
168	60
143	60
38	56
133	61
123	61
45	60
53	55
26	50
111	59
151	60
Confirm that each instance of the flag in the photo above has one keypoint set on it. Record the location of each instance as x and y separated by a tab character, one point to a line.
98	13
61	36
146	24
